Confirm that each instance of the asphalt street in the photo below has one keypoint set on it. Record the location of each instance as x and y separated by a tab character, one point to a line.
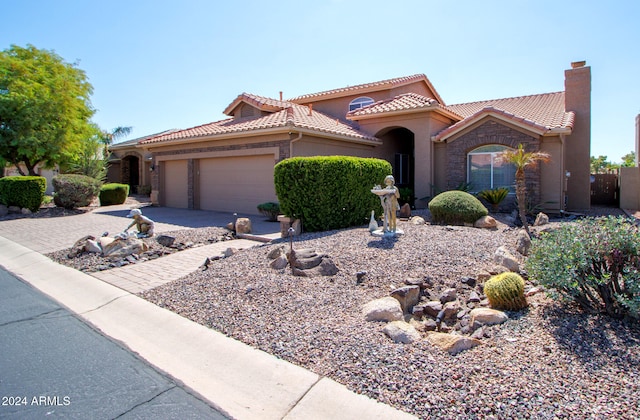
54	365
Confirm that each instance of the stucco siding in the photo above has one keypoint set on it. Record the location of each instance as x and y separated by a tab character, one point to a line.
552	179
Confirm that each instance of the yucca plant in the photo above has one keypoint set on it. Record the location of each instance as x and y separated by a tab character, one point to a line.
494	197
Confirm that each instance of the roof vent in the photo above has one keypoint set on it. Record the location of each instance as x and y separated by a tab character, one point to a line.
578	64
280	95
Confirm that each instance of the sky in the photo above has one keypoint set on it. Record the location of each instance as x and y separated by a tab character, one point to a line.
157	64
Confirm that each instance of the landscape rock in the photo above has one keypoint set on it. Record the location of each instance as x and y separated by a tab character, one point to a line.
230	251
121	247
401	332
452	343
487	316
279	263
79	246
523	243
474	297
405	211
276	253
448	295
93	247
486	222
4	210
243	225
408	296
503	257
383	309
541	219
451	309
25	211
14	209
165	240
432	308
417	220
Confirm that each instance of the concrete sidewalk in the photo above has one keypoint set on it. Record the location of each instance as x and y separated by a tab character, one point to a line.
236	379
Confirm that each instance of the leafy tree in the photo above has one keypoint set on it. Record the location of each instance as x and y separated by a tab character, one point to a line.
523	160
44	107
600	165
629	160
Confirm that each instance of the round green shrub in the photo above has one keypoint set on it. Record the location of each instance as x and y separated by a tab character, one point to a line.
456	208
72	191
113	193
23	191
271	210
506	291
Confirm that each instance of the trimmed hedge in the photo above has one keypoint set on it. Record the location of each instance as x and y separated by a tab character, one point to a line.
456	208
113	193
270	210
23	191
72	191
329	192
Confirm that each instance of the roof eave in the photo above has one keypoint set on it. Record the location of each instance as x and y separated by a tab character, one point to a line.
426	108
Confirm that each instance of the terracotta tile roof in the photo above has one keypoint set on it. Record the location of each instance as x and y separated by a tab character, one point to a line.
293	117
367	87
261	102
542	113
401	103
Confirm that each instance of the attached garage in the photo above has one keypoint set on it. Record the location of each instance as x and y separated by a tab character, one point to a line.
236	183
175	183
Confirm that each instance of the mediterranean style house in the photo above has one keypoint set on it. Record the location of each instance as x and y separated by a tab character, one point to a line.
228	165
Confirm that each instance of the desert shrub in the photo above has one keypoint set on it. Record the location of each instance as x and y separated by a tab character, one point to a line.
23	191
270	210
456	207
595	262
506	291
329	192
72	191
494	197
113	193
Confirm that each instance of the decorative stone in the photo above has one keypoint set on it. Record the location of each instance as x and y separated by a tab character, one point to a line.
4	210
93	247
468	281
452	343
487	316
79	246
417	220
401	332
14	209
451	309
486	222
121	247
276	252
534	290
383	309
243	225
474	297
523	242
165	240
231	226
541	219
432	308
230	251
448	295
408	296
503	257
25	211
405	211
279	263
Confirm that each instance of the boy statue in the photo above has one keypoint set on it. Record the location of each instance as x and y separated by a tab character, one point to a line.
143	223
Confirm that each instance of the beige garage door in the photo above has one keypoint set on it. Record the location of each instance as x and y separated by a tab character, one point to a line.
236	184
175	184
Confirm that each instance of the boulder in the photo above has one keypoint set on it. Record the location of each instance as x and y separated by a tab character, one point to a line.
243	225
503	257
451	309
417	220
230	251
383	309
486	222
165	240
25	211
487	316
452	343
401	332
121	247
93	247
541	219
523	243
405	211
408	296
79	246
4	210
276	253
14	209
448	295
104	241
432	308
279	263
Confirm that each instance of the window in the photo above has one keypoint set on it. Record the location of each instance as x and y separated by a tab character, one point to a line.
401	169
360	103
486	171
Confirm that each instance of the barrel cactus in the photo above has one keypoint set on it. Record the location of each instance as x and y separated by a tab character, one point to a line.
506	291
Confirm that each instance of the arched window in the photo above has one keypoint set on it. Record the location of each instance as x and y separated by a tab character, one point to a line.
486	171
360	103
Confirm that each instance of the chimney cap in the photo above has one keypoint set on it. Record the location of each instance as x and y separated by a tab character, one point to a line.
578	64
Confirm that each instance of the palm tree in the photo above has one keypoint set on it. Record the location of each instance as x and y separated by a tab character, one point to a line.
523	160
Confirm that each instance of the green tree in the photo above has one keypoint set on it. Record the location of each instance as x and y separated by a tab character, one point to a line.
45	107
523	160
629	160
600	165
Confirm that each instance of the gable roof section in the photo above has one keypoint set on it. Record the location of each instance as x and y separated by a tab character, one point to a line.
368	87
261	102
401	104
541	114
294	117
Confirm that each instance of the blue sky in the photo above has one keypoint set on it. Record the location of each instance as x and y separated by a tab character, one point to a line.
156	65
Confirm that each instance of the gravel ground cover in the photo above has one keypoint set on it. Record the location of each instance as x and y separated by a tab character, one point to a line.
548	361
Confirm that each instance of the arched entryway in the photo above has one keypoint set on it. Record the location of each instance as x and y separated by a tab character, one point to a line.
398	150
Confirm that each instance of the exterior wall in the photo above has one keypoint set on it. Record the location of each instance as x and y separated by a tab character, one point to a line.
578	144
638	140
630	188
552	177
309	146
485	132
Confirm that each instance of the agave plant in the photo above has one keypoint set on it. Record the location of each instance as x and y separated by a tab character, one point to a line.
494	197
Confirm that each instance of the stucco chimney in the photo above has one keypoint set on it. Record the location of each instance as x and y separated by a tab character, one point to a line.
577	98
280	95
310	109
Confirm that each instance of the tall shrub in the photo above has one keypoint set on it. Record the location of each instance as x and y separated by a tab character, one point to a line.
329	192
595	262
72	191
23	191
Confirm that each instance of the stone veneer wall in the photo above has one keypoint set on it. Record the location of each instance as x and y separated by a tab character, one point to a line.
490	132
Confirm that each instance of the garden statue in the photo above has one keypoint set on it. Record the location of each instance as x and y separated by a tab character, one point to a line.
143	223
389	200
